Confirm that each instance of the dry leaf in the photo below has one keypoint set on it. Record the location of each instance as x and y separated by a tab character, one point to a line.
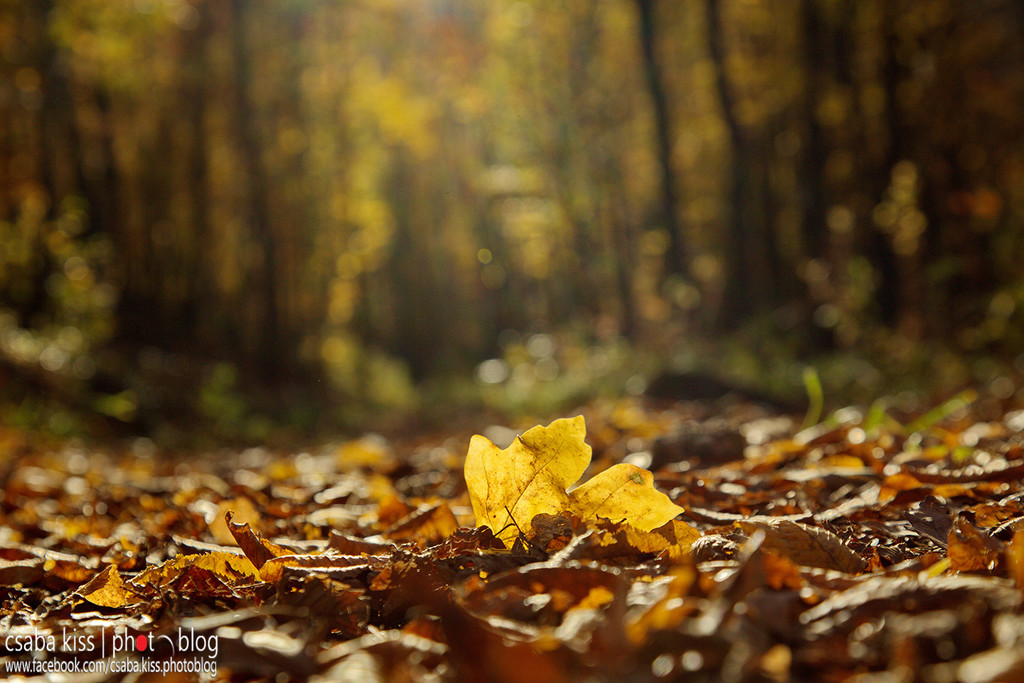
426	526
673	538
107	589
242	510
232	568
509	487
968	550
805	545
24	572
1015	559
258	549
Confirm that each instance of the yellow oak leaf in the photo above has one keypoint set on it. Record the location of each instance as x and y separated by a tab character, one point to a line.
509	487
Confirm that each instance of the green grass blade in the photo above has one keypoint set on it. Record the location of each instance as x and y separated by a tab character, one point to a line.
943	410
815	397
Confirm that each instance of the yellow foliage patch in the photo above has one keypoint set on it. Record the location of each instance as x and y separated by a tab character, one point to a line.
229	567
532	476
107	589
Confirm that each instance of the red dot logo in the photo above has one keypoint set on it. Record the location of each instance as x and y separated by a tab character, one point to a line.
140	643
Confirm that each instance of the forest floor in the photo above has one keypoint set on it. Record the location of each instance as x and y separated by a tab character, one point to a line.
861	548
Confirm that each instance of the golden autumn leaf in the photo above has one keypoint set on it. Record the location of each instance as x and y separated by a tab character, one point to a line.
532	476
107	589
229	567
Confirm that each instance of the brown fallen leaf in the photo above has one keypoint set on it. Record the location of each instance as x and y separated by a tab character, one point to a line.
425	526
968	550
334	566
383	656
243	511
539	594
1015	559
258	549
550	532
803	544
25	572
663	606
343	544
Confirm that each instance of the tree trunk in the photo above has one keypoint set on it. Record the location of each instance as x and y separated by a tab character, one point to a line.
749	288
201	294
267	350
812	195
819	56
897	295
677	260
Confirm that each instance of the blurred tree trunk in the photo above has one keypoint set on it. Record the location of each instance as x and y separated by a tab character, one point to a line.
69	163
99	175
201	295
266	342
73	163
819	59
899	292
292	214
749	287
623	233
816	59
584	296
415	330
54	125
54	117
677	260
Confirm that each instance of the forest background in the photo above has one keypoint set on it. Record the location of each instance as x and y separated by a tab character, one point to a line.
280	217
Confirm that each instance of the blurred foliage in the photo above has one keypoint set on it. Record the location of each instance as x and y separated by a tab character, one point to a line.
272	214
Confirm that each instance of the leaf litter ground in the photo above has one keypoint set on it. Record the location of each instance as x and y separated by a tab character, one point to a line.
858	549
